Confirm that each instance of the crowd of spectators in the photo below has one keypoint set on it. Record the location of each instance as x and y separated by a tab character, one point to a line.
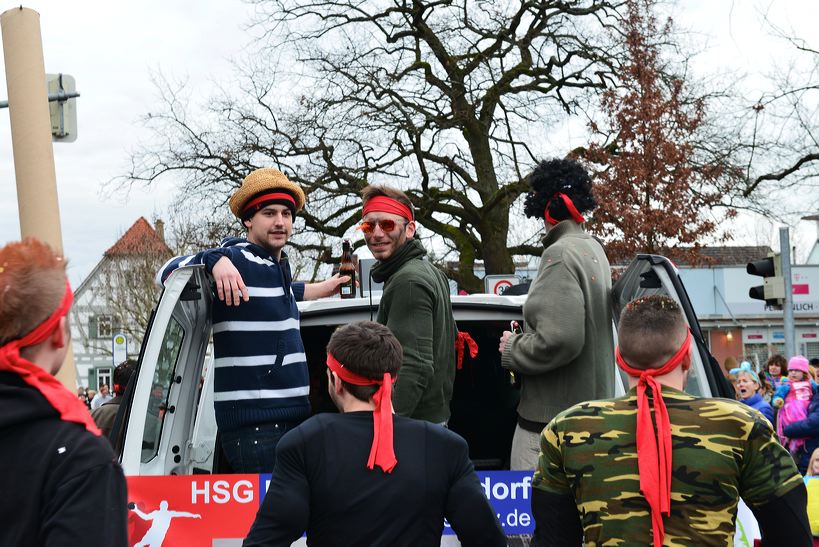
787	394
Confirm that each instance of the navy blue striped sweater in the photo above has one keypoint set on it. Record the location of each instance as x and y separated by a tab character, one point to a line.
260	368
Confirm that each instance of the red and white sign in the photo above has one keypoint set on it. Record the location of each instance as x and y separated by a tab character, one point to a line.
497	284
191	509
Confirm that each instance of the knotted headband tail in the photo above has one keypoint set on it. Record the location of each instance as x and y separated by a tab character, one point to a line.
654	451
69	407
567	201
382	452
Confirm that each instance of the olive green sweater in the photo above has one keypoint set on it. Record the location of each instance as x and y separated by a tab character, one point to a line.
566	352
415	306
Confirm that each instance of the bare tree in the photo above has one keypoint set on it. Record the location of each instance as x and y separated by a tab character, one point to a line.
775	138
443	98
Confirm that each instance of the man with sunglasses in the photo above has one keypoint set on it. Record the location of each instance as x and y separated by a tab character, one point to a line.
261	380
415	305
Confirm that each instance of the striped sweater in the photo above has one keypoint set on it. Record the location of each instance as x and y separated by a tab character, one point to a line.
260	368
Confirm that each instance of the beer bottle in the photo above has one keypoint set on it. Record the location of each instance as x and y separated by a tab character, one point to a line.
347	267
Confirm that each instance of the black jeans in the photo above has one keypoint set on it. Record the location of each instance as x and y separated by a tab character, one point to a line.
252	449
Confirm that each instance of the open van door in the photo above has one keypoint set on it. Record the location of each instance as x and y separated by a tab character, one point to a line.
169	376
654	274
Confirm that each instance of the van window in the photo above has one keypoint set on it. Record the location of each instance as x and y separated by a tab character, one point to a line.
158	397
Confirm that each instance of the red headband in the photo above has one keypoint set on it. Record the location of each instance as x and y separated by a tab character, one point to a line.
382	453
269	197
383	204
64	402
654	452
569	206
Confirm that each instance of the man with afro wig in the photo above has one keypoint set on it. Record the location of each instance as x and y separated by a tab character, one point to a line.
565	353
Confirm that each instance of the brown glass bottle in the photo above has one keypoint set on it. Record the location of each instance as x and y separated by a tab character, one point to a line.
347	267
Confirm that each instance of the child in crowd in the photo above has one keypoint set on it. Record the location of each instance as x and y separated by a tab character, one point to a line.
792	398
748	386
813	466
776	370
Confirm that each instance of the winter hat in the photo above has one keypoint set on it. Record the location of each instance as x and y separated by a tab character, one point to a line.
798	362
264	187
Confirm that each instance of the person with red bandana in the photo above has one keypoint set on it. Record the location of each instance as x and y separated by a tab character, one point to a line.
415	305
658	466
57	471
365	476
565	353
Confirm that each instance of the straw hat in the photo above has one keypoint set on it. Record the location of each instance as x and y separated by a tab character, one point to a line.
264	180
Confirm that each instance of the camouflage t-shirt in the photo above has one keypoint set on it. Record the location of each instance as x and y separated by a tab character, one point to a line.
722	450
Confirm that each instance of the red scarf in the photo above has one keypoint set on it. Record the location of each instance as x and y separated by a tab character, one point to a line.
567	201
383	204
382	453
464	339
654	452
69	407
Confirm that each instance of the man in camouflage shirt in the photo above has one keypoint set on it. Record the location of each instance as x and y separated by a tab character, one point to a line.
590	485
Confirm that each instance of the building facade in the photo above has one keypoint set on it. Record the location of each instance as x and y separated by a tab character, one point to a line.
113	304
743	328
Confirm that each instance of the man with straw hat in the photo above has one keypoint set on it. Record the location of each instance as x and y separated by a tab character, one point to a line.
261	380
365	476
658	466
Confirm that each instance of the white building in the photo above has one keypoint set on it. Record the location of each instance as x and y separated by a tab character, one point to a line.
117	297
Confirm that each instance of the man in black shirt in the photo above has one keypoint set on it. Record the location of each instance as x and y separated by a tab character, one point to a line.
365	476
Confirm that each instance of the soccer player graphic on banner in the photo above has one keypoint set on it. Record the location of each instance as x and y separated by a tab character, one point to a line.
161	523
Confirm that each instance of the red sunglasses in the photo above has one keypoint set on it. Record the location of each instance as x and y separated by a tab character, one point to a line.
368	226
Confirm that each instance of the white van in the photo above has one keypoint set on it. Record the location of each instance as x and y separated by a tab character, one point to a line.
166	425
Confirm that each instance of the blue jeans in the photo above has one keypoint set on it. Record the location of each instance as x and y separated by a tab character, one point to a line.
252	449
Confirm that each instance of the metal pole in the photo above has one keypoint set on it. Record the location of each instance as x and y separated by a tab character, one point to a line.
31	139
787	307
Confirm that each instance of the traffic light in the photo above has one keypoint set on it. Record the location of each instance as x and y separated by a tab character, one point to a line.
773	290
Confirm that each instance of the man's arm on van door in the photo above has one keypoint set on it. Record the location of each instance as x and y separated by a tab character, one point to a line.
555	317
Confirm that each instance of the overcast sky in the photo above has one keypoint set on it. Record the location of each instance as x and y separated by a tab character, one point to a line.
112	48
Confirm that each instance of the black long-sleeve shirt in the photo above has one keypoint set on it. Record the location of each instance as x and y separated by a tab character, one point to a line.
321	485
59	484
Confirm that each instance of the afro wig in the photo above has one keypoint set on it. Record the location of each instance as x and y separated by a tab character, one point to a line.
555	176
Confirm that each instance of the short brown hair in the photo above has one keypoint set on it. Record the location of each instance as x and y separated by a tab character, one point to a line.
374	190
368	349
650	331
32	285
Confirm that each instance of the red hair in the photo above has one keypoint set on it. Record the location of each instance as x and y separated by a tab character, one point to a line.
32	284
